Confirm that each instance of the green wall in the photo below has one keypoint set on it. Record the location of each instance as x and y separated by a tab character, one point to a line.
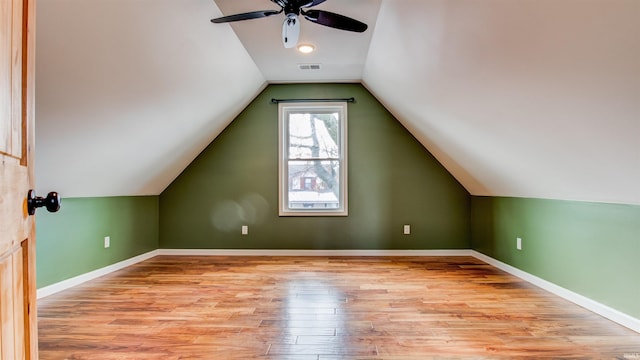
392	179
590	248
71	241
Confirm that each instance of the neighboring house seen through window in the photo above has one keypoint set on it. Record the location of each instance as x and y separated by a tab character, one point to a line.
313	163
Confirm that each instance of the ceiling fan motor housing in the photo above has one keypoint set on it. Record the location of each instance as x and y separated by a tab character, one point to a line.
291	9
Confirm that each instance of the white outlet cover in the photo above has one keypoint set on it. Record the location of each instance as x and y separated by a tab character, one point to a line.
519	243
407	229
245	230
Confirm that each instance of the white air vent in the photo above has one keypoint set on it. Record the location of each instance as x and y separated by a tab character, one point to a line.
309	66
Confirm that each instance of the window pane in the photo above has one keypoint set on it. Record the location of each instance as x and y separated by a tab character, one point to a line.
314	184
313	135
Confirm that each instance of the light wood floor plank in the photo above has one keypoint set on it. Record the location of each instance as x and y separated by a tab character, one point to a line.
299	308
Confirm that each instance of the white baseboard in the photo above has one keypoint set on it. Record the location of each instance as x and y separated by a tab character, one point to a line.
589	304
74	281
252	252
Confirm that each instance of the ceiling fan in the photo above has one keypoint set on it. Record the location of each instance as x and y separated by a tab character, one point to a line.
291	25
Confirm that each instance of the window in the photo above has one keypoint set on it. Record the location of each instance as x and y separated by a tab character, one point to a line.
313	162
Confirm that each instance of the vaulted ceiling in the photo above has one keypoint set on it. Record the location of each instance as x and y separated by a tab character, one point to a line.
529	98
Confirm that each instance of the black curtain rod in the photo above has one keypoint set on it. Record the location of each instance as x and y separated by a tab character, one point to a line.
277	101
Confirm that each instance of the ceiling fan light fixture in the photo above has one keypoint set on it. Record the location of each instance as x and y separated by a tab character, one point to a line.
306	48
290	31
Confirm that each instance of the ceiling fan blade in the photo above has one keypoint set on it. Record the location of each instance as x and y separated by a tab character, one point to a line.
313	3
246	16
334	20
281	3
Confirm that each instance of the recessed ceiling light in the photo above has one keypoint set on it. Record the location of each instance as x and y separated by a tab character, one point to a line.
306	48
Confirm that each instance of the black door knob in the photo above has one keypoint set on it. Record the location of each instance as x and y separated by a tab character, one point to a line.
51	202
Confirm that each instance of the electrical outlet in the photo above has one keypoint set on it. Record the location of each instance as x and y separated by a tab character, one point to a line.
245	230
519	243
407	229
107	241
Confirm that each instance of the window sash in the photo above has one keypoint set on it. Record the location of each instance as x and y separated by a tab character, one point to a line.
325	159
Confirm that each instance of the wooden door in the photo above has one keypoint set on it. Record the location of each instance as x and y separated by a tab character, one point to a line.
18	327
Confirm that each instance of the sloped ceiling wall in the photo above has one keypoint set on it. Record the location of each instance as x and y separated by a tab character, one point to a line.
530	98
129	92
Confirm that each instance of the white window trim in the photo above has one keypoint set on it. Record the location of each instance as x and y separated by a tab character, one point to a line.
283	176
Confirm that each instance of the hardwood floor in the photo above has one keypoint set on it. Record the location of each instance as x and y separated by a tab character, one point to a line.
320	308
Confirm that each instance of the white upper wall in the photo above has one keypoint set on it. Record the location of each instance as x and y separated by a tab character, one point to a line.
129	92
527	98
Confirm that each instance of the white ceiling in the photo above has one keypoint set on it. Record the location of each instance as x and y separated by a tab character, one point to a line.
128	92
528	98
